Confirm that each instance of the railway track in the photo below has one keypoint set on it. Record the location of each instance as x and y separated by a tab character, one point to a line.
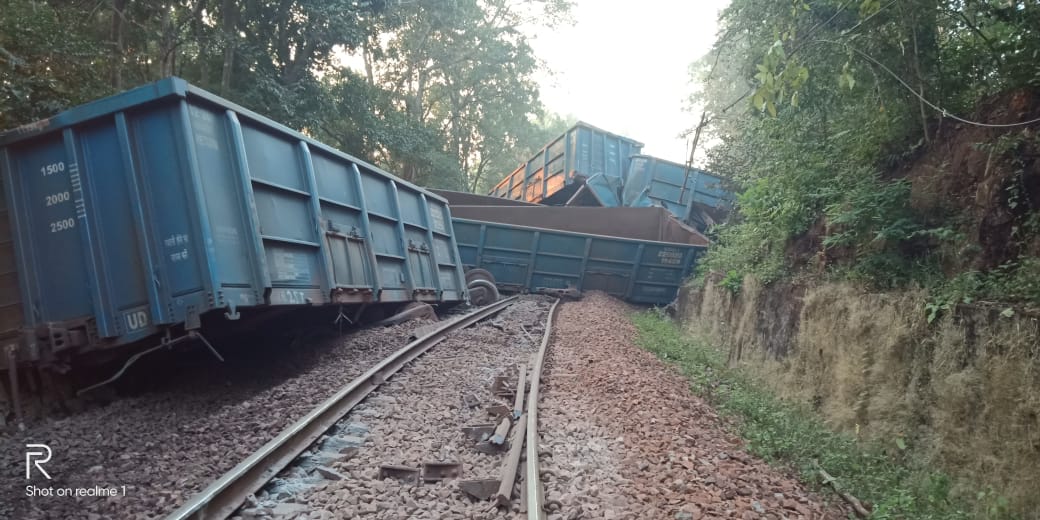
221	498
590	441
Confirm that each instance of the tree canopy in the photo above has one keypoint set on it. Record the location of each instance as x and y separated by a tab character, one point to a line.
446	91
820	107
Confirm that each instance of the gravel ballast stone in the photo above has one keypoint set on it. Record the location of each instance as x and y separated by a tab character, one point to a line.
630	441
417	418
170	442
621	435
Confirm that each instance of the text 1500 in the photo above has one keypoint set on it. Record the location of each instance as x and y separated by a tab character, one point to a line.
52	168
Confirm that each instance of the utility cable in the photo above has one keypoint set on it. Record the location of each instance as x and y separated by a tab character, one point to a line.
935	107
865	20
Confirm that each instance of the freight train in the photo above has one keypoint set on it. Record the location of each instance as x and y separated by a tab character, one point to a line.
151	217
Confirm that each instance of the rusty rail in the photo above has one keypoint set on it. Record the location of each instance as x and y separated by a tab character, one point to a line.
221	498
532	478
504	497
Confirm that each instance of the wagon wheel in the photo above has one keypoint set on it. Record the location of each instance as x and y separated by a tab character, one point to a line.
479	274
481	286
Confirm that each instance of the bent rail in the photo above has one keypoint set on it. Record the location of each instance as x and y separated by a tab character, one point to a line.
533	481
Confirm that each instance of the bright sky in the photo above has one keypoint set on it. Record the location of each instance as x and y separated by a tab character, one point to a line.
624	67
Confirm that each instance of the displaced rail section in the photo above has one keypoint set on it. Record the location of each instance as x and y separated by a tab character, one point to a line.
534	489
226	494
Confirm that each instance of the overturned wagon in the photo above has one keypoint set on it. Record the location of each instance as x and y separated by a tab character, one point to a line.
144	216
697	197
639	254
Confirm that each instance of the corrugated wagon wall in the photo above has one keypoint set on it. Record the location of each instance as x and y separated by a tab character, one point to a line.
963	391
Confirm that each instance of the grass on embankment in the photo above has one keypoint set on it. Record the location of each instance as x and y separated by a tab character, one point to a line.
786	435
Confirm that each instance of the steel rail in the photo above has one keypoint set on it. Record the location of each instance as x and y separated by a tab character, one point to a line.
533	481
221	498
505	487
504	496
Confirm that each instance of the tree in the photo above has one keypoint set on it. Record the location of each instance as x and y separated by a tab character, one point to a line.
466	68
447	86
48	60
814	104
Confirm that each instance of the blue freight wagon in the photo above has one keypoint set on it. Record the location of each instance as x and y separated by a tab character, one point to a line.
556	173
695	196
152	211
638	254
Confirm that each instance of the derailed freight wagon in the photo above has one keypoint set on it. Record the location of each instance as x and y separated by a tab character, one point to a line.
559	172
587	166
138	218
642	255
697	197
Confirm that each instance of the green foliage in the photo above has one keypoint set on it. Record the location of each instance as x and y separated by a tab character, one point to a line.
48	60
446	90
819	160
883	474
1014	281
777	75
732	281
465	68
890	241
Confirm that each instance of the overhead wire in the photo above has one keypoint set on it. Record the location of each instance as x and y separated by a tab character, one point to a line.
797	48
933	106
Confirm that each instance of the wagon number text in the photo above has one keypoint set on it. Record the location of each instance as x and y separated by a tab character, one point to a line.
52	168
670	257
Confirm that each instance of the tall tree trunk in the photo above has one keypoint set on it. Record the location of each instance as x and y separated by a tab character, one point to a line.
229	11
366	54
118	12
414	107
420	94
301	62
920	86
197	26
167	43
